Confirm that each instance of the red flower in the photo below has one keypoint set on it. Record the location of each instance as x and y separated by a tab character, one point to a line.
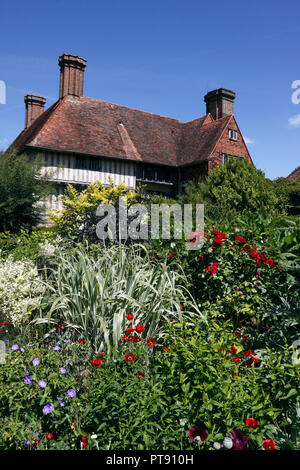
129	317
139	328
252	423
240	239
220	350
171	255
81	341
49	436
218	234
233	349
213	268
151	342
129	357
124	338
253	359
217	242
102	354
4	323
182	305
268	444
96	362
166	349
84	442
201	257
129	330
269	262
237	359
140	375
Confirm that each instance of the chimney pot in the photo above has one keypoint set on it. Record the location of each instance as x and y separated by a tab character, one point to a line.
34	107
219	102
71	75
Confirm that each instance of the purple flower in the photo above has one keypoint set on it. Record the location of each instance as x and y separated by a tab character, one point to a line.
22	350
61	402
71	393
62	370
239	441
197	432
42	384
15	347
56	348
48	408
27	380
36	361
27	443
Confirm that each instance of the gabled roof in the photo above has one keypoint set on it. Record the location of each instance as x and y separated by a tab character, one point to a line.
94	127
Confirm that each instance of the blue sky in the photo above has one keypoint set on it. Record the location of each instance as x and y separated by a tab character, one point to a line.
163	57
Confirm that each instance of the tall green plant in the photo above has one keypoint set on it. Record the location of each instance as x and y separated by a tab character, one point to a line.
95	295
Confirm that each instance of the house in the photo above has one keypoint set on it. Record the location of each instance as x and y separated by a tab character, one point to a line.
83	139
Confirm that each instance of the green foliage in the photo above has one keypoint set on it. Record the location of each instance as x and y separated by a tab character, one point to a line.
152	401
25	244
234	188
93	294
291	189
21	189
77	205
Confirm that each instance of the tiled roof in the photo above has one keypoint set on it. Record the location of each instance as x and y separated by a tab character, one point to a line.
295	174
90	126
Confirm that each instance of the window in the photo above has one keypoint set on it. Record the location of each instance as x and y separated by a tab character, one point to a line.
152	173
232	134
227	157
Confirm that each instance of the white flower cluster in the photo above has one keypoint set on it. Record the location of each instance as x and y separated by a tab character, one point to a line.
48	249
21	289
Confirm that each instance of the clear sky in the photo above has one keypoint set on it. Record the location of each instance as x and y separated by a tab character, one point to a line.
163	57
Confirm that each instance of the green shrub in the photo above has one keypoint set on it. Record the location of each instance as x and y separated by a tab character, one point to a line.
21	189
234	188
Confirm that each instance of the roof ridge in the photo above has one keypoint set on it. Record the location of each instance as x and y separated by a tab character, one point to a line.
128	107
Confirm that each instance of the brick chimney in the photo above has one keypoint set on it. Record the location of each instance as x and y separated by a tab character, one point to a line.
71	75
34	108
219	102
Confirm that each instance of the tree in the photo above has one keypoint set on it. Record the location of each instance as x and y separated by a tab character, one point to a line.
235	188
21	189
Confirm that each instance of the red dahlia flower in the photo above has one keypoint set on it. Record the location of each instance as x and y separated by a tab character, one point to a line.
96	362
233	349
212	269
129	357
81	341
218	234
252	423
139	328
129	330
151	342
129	317
140	375
269	262
166	349
268	444
49	436
240	239
237	359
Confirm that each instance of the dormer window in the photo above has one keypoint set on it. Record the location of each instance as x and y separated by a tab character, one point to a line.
232	134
